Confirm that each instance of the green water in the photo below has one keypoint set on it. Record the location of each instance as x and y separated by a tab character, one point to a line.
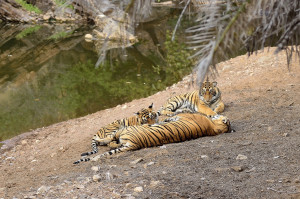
48	73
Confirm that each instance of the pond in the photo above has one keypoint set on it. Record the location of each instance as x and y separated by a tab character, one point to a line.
48	73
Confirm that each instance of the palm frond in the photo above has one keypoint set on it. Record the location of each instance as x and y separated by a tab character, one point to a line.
223	26
226	26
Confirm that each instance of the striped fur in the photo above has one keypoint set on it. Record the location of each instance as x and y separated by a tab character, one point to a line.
106	135
207	100
179	128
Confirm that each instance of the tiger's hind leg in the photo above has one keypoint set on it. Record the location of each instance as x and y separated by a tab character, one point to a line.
114	145
98	142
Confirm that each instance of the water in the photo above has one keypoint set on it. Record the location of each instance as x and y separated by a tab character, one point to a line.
48	74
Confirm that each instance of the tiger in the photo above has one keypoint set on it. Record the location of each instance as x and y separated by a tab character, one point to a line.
206	100
106	134
179	128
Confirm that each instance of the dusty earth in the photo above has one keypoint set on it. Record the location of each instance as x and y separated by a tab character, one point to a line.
260	160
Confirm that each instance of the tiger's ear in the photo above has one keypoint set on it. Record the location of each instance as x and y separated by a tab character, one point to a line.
151	105
137	113
214	83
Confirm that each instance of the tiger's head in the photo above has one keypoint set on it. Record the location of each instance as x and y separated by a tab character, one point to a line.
222	123
209	92
147	115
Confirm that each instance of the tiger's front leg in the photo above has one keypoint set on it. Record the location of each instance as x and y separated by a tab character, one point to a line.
167	113
219	108
206	110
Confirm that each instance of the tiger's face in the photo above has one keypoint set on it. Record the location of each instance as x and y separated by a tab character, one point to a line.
208	91
147	115
223	122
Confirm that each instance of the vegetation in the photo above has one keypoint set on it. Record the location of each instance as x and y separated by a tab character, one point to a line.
28	31
62	3
177	63
29	7
61	35
75	90
223	26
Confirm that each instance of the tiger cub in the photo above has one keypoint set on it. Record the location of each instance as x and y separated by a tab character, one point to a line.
106	134
179	128
206	100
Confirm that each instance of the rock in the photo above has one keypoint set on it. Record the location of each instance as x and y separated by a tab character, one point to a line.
250	170
270	181
80	186
137	161
88	38
297	180
2	191
96	178
204	157
238	168
129	185
154	183
285	135
96	158
23	142
219	170
286	180
46	17
52	155
95	168
138	189
124	107
226	67
42	190
115	195
128	196
150	163
29	197
10	158
9	10
241	157
109	176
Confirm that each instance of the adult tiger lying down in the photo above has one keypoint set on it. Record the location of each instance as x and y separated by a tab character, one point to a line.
179	128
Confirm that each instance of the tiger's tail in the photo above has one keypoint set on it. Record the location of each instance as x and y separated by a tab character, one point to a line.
82	160
123	148
111	152
94	149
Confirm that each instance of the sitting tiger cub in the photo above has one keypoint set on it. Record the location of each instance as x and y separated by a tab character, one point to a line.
106	135
207	100
179	128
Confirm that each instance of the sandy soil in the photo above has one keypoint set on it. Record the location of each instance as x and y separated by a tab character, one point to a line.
260	160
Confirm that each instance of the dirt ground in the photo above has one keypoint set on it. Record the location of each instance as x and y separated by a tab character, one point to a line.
260	160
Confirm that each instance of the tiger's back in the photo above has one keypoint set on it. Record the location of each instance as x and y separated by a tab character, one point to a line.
179	128
184	127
